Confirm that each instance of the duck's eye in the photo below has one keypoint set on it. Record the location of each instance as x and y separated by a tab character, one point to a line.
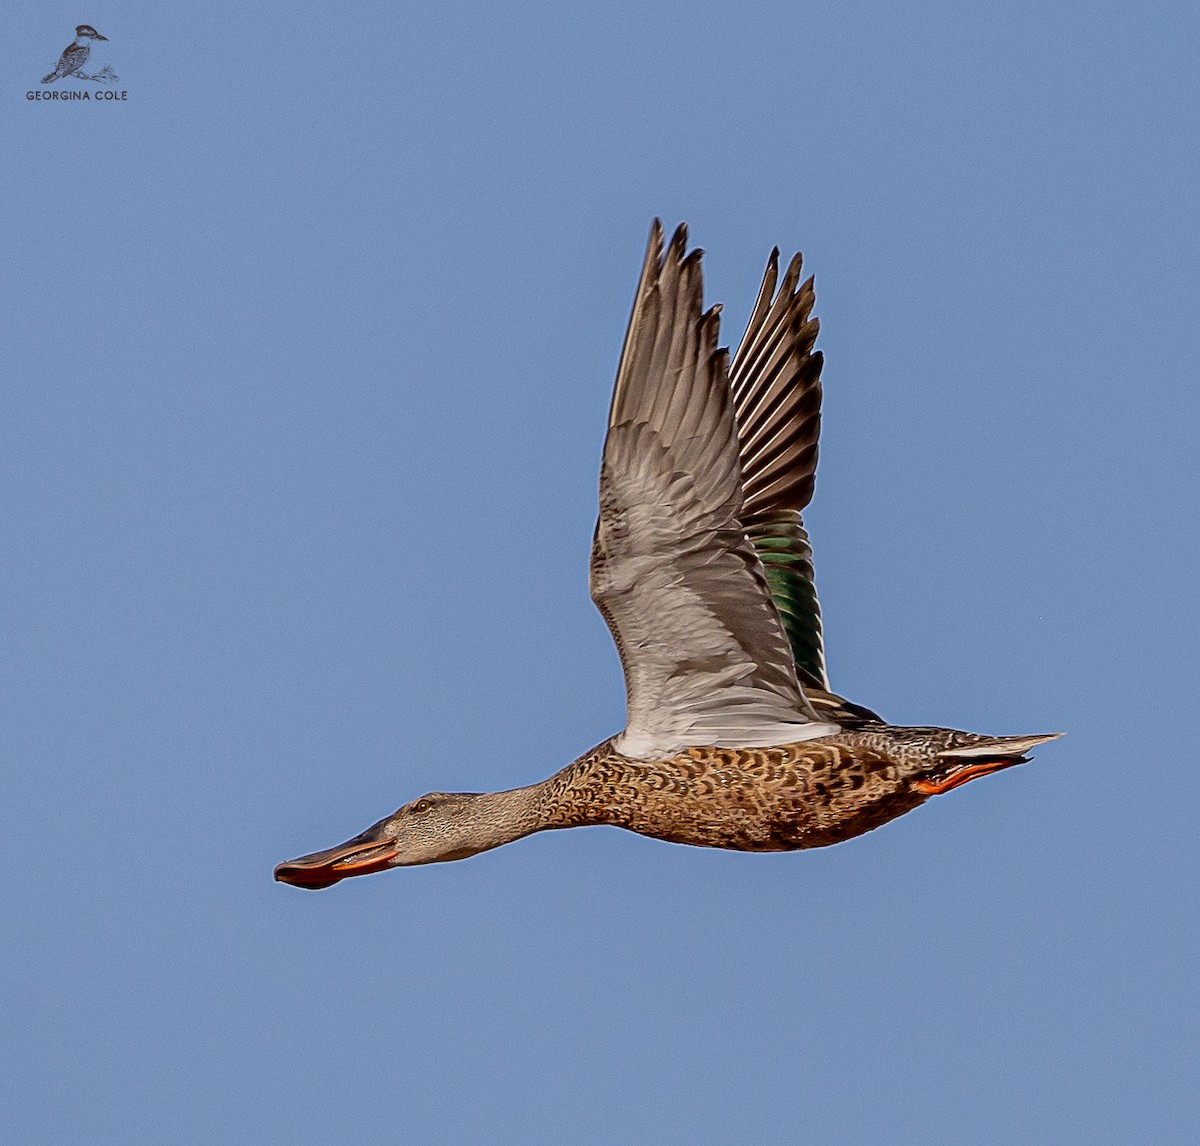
421	806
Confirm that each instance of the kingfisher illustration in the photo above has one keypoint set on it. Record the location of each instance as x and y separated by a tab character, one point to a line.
75	54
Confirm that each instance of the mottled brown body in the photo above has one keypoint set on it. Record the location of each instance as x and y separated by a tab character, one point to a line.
803	795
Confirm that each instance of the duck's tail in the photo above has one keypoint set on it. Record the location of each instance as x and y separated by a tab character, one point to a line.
993	746
983	755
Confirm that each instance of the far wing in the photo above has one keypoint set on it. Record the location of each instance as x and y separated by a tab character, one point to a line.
705	656
776	382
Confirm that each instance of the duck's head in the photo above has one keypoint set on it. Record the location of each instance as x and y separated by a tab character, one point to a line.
87	32
439	826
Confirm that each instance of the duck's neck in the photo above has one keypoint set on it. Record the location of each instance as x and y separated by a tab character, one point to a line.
564	800
495	818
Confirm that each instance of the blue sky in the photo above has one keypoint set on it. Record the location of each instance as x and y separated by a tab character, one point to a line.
307	348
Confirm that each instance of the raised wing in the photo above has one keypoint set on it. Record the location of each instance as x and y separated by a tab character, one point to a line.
775	377
705	656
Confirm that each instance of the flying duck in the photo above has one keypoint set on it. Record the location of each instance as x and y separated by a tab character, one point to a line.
702	569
